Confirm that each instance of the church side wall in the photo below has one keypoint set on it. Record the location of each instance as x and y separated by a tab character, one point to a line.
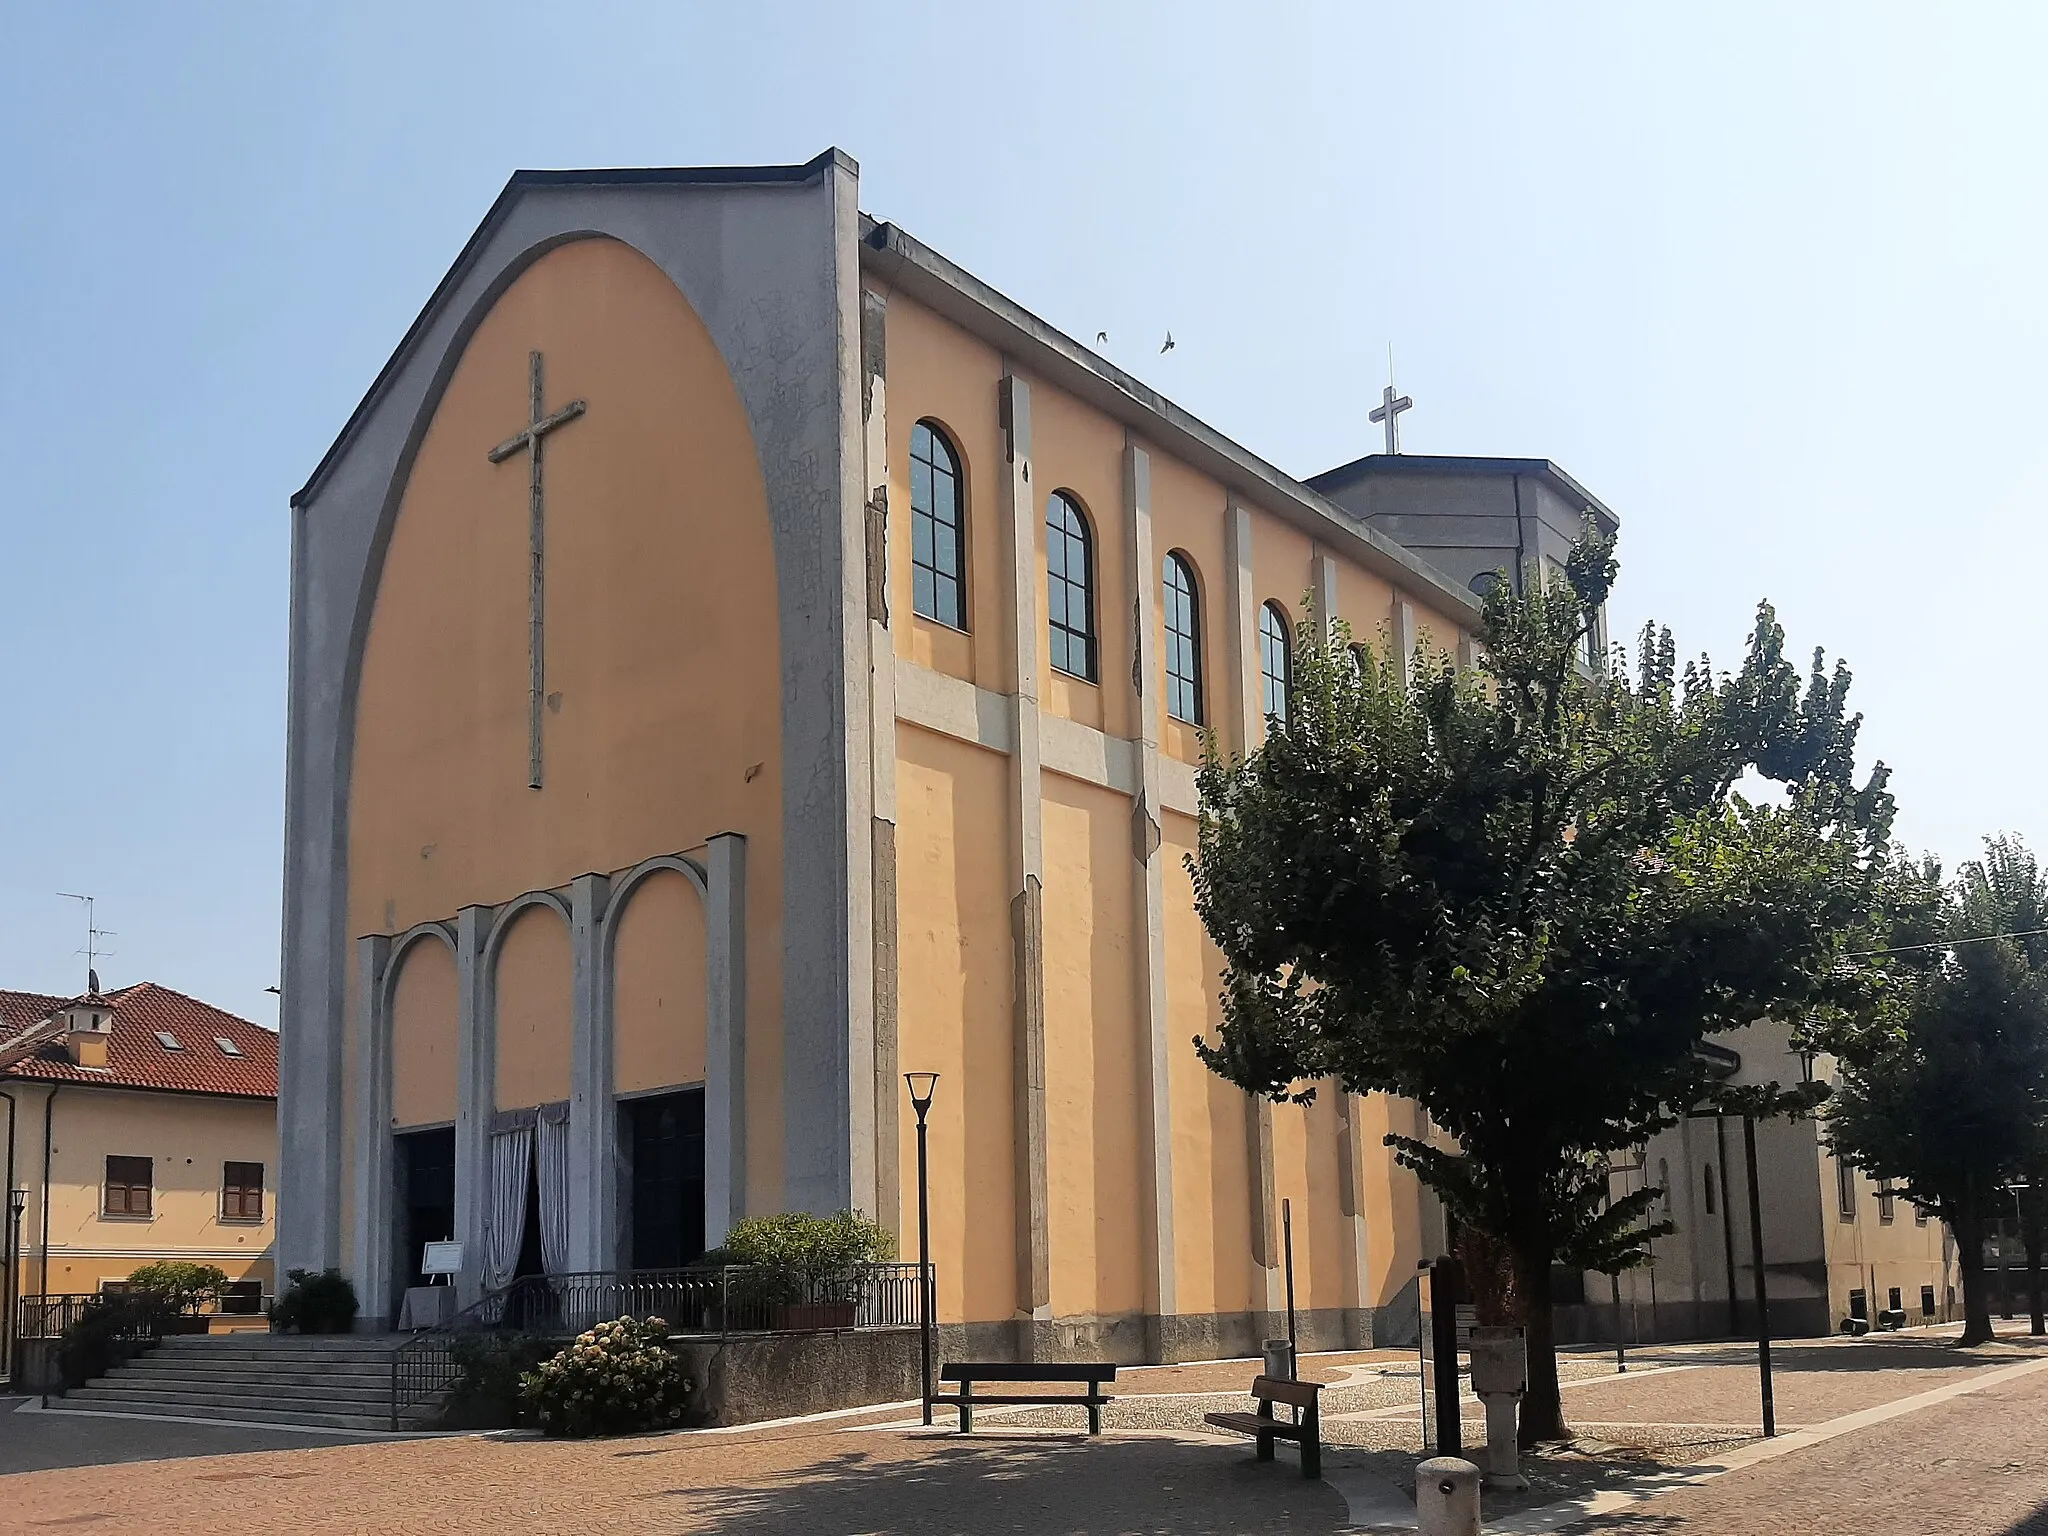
1357	1220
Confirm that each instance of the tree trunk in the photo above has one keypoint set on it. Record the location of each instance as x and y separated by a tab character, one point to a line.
1968	1227
1542	1403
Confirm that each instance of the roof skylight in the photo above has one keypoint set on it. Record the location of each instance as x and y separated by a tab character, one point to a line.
227	1046
168	1040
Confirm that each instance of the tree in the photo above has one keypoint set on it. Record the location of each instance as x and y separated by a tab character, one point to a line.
1944	1071
1521	896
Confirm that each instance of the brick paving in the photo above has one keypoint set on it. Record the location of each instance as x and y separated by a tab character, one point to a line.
1985	1454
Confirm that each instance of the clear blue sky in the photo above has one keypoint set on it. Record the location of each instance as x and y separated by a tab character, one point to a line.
1769	280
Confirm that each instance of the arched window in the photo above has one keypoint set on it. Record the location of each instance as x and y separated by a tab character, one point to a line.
936	588
1070	587
1183	610
1276	663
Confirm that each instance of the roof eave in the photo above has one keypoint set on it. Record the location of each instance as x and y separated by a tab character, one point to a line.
904	262
1419	464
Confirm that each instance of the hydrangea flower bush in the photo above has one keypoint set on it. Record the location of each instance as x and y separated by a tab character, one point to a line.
620	1378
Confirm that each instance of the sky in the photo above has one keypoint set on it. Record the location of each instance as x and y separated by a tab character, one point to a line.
1767	280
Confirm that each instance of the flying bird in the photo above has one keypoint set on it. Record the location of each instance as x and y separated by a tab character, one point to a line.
1102	338
1169	343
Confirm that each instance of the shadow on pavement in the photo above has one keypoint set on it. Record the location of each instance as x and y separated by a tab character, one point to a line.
994	1483
42	1442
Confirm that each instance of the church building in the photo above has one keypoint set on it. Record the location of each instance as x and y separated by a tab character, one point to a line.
738	658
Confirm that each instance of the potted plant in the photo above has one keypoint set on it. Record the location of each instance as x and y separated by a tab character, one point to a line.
178	1290
805	1272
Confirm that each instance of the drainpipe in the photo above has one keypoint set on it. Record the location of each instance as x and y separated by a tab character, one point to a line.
49	1106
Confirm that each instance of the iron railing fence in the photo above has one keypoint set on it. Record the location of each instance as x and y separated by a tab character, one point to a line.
697	1301
46	1317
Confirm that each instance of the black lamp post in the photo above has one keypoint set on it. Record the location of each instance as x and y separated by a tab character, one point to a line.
17	1202
922	1086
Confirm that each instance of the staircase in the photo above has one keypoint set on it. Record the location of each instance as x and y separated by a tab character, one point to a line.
320	1382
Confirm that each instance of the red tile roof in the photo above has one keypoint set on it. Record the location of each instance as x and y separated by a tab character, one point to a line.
32	1044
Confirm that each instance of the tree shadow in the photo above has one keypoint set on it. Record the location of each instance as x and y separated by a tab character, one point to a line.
1866	1354
995	1483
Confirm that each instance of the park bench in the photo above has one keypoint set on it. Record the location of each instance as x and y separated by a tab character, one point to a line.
1265	1428
966	1375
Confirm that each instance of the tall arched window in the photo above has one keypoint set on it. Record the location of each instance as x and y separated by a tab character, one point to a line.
1183	611
1070	587
1276	663
936	588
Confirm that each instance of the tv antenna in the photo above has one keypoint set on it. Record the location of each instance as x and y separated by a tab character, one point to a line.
93	950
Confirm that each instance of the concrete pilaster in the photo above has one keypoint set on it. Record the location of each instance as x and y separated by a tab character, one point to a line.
370	1245
476	1067
1401	634
1019	513
1242	632
888	1090
1324	577
593	1137
725	1037
1150	890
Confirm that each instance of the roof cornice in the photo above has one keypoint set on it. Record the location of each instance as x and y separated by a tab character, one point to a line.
906	263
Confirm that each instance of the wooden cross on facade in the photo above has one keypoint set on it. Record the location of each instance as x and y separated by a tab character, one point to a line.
1389	410
532	439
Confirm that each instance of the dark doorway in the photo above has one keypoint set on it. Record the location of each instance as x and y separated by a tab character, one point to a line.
665	1141
426	1195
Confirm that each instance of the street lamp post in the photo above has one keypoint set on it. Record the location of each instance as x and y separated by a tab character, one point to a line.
17	1202
1763	1305
922	1086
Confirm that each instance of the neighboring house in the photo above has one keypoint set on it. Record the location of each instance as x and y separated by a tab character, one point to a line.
143	1127
1837	1243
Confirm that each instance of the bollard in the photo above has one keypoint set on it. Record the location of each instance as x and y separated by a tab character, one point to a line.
1280	1359
1447	1497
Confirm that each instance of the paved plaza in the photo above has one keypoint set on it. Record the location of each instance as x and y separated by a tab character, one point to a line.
1899	1434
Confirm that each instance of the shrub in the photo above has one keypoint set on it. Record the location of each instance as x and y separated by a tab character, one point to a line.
179	1285
801	1257
620	1378
108	1330
322	1302
490	1368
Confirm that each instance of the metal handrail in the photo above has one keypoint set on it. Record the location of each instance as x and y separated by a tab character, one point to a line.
695	1301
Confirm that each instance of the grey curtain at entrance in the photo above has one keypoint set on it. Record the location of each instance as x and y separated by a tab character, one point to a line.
511	1166
552	1149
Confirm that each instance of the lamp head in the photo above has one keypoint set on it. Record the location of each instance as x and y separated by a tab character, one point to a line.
17	1201
922	1086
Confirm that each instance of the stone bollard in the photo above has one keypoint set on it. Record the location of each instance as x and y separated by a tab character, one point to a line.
1447	1497
1500	1374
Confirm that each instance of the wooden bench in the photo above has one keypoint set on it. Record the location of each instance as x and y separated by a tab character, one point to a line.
966	1375
1264	1427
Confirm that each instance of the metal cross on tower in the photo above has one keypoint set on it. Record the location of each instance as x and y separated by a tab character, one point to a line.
1389	411
532	438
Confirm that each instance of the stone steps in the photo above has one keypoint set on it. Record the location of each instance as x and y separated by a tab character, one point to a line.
340	1383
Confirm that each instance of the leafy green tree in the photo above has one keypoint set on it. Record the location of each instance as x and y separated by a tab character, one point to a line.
1944	1073
1521	896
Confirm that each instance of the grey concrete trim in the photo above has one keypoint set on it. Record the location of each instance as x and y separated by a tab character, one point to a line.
906	263
881	719
1148	885
1323	579
1178	790
1402	635
476	1067
370	1253
1351	1163
593	1130
953	707
829	1081
725	1039
501	924
1018	515
1081	752
1241	630
768	263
